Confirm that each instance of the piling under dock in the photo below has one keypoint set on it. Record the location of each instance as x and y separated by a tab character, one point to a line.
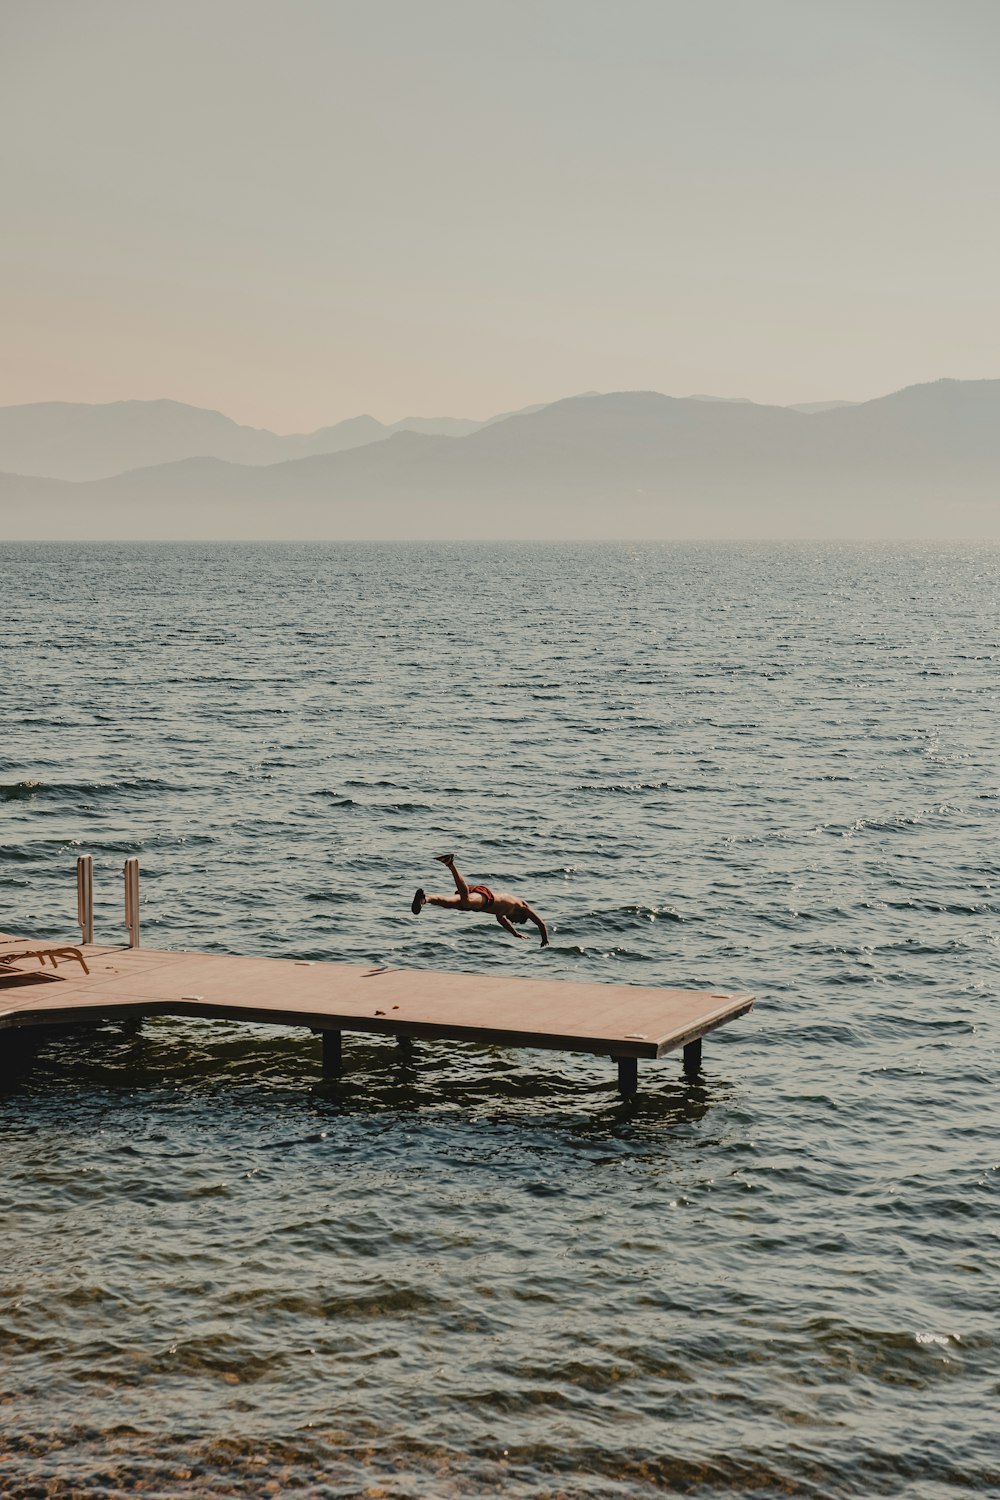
623	1022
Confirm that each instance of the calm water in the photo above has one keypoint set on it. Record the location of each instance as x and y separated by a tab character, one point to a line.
476	1271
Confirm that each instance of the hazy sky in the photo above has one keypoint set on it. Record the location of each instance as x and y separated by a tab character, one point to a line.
299	210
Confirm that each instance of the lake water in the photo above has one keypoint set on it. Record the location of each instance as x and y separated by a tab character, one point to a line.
477	1271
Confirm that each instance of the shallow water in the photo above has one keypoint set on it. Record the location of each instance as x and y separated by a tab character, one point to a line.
471	1270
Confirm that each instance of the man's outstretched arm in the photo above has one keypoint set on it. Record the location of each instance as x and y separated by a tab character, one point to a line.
509	927
534	917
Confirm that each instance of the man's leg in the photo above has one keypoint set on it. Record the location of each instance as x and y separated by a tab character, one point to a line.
421	899
460	884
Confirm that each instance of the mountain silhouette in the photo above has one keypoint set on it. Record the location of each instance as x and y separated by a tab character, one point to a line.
67	440
923	462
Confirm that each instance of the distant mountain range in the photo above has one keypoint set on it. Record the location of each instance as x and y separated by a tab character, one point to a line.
921	463
70	440
73	440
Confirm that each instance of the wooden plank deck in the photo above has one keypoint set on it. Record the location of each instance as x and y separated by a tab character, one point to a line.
625	1022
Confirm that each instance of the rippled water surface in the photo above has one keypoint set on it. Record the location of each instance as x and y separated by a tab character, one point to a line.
473	1271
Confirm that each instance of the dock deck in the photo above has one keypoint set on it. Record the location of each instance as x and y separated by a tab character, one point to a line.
624	1022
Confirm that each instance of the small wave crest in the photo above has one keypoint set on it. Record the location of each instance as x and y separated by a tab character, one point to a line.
23	791
19	791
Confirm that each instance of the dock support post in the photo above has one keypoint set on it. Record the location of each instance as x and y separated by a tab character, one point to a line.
132	901
692	1058
20	1045
332	1054
85	897
628	1076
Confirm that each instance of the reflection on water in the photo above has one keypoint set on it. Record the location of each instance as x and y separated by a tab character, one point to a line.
467	1270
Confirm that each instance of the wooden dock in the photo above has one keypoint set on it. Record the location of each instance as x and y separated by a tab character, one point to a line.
623	1022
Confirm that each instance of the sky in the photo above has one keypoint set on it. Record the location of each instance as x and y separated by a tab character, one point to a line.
301	210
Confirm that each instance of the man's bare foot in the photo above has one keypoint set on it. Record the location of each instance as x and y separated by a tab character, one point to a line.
445	859
418	902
